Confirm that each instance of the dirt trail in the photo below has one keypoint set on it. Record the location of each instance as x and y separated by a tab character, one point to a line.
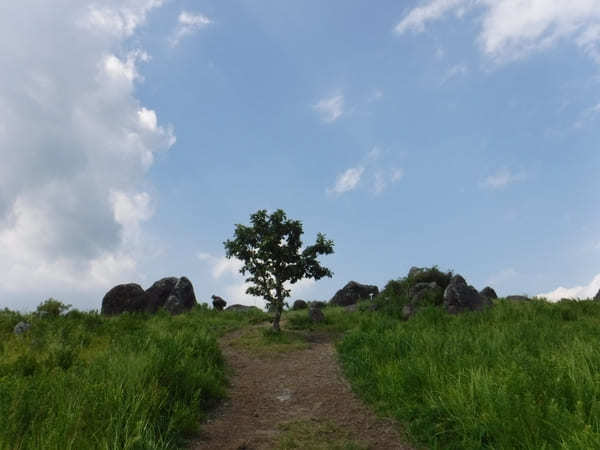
271	390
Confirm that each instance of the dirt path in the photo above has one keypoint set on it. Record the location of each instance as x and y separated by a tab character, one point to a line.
277	400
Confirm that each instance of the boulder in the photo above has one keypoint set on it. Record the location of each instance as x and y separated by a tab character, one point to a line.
218	303
123	298
460	297
488	292
316	315
518	298
317	304
422	294
597	297
182	298
298	305
176	295
21	327
353	292
157	295
242	308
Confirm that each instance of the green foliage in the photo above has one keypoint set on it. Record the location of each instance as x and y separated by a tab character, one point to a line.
519	375
52	308
395	294
270	252
84	381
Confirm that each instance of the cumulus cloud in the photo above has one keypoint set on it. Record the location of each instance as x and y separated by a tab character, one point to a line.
187	24
511	29
587	291
501	179
330	108
76	145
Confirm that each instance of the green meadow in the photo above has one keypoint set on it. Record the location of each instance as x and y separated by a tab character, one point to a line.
81	380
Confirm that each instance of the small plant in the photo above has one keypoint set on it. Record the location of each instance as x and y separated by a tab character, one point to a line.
52	308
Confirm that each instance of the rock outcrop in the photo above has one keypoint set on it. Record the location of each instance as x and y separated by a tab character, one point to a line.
176	295
299	304
218	303
123	298
460	297
315	315
488	292
353	292
21	327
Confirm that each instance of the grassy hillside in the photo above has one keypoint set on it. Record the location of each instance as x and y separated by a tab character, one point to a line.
80	380
520	375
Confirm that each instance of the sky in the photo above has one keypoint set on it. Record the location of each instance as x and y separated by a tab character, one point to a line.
135	134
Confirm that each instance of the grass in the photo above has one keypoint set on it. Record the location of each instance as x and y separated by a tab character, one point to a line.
520	375
83	381
316	435
265	341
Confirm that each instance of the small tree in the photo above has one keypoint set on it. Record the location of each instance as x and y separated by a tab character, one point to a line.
270	251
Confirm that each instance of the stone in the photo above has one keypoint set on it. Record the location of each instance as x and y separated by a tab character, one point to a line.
316	315
218	303
426	294
298	305
408	311
21	327
597	297
157	295
460	297
182	298
352	293
123	298
176	295
241	308
488	292
518	298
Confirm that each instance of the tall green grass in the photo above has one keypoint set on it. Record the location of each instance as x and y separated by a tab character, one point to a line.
520	375
83	381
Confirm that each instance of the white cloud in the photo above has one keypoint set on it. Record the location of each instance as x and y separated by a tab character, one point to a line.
76	144
187	24
331	108
587	291
379	178
455	71
347	181
416	19
511	29
501	179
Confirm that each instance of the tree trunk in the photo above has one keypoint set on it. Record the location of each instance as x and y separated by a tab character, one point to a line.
276	319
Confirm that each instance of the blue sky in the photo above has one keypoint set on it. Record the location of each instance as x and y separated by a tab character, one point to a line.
135	134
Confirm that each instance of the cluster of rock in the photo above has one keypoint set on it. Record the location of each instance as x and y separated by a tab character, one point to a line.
352	293
173	294
218	303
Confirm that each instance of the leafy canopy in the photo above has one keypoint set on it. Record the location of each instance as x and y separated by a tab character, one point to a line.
270	251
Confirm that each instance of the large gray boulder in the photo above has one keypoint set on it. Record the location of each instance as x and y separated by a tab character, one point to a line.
488	292
299	304
123	298
460	297
21	327
218	303
316	315
157	295
182	298
176	295
353	292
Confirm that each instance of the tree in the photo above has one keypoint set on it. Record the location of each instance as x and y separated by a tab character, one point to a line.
270	252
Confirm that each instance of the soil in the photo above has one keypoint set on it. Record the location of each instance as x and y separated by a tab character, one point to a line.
270	390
